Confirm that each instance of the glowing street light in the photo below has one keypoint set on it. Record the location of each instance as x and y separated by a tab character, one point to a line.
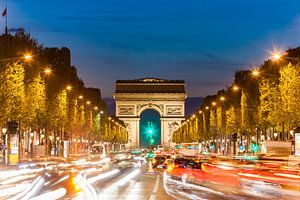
200	111
27	57
4	130
47	71
213	103
88	102
235	88
222	98
95	108
101	112
276	56
206	107
69	87
80	97
255	72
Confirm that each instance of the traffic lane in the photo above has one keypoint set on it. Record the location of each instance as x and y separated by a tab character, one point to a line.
64	176
180	189
127	182
43	176
143	186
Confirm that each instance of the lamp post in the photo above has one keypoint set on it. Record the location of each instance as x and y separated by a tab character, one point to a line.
47	72
100	130
5	152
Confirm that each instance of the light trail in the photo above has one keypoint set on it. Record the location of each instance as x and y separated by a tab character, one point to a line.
128	177
103	176
53	195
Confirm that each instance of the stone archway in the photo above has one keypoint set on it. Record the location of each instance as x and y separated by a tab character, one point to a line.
150	106
150	121
167	97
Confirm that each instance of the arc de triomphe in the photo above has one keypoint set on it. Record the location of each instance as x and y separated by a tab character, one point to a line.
167	97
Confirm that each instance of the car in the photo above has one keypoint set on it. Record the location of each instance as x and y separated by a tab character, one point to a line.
96	149
168	162
160	147
158	161
136	152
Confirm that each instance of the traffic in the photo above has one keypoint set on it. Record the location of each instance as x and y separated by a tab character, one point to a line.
133	174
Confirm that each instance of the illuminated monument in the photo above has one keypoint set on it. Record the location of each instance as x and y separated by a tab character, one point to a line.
166	97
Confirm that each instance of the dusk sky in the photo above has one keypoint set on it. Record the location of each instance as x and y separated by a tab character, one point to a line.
200	41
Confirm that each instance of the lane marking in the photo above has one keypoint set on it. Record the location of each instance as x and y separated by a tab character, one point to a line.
155	189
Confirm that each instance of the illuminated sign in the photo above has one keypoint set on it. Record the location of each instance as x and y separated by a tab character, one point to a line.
13	149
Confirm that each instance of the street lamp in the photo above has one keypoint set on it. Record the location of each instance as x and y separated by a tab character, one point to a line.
80	97
4	130
255	72
27	57
235	88
88	102
276	56
69	87
222	98
47	71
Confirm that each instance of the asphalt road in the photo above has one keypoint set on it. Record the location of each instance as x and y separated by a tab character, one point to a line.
83	179
109	178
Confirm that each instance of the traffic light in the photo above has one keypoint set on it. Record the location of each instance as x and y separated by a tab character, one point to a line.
150	154
150	131
254	147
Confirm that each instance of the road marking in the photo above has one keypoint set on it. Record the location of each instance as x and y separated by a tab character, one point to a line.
155	188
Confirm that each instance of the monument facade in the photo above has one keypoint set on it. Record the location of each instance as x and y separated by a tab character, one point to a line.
167	97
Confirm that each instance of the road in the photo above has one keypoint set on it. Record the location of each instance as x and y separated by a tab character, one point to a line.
82	179
121	177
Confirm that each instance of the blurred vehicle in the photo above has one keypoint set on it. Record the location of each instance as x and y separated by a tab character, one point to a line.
136	152
168	162
160	147
144	152
158	161
96	149
189	149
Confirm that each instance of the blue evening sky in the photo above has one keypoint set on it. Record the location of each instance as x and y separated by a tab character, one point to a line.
200	41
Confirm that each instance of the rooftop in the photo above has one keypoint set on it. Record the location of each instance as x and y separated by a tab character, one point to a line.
150	85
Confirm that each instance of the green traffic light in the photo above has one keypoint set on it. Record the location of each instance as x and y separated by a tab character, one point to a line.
254	147
150	154
150	131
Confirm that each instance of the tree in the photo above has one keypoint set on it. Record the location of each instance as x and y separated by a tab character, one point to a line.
221	119
213	125
35	100
270	110
289	88
245	113
11	91
232	118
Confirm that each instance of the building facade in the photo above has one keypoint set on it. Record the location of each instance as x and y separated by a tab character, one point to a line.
167	97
